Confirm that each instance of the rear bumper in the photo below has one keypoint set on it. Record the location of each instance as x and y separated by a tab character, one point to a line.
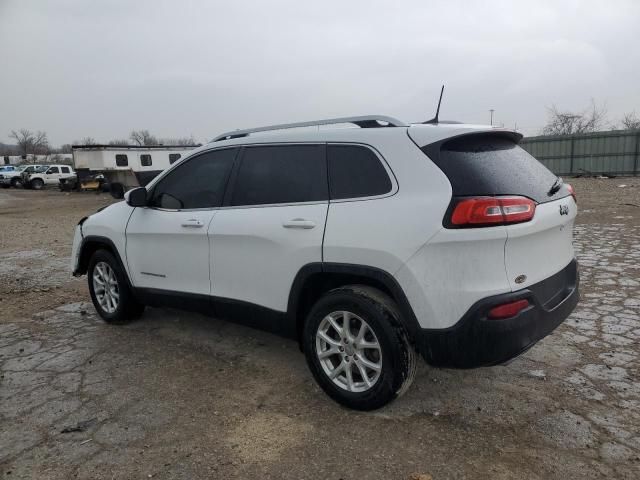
477	341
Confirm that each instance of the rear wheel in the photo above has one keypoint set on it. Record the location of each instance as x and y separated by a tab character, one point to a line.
357	348
110	290
117	190
37	184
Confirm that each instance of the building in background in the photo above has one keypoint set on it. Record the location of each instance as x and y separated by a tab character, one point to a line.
125	167
615	152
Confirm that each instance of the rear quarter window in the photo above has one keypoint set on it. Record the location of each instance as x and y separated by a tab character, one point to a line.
490	164
356	171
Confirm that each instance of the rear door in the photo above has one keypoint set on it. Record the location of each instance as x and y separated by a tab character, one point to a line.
492	164
272	223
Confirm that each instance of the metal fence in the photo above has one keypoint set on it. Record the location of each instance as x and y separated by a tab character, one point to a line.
616	152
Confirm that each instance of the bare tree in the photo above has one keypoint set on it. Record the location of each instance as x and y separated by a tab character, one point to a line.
630	121
119	142
190	141
568	123
41	143
30	142
143	137
88	141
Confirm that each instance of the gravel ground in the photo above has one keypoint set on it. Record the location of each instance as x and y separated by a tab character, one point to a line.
178	395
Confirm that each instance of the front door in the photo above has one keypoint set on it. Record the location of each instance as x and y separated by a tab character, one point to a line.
52	176
167	244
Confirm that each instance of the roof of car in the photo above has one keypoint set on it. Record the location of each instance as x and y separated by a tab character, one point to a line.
328	131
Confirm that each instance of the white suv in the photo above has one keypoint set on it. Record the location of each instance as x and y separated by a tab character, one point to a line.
368	245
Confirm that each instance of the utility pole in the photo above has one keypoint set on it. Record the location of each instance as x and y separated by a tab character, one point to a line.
491	110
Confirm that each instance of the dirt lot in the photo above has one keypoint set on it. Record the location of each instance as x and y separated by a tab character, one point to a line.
178	395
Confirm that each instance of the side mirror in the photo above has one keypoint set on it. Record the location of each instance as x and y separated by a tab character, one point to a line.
136	197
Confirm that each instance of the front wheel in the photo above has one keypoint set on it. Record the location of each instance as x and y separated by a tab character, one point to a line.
110	290
357	348
37	184
16	183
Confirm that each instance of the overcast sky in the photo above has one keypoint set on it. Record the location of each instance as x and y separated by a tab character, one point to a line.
77	68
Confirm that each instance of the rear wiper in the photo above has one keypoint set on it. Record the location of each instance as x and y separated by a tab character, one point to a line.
555	187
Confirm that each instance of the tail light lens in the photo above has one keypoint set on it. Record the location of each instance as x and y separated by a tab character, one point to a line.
572	191
488	211
508	310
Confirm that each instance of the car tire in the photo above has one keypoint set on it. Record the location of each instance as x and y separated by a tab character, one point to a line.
5	185
117	191
389	367
36	184
16	183
114	301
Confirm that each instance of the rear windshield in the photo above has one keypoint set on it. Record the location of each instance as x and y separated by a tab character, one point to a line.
493	165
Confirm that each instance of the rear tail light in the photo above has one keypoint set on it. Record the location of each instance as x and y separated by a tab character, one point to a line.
572	192
508	310
487	211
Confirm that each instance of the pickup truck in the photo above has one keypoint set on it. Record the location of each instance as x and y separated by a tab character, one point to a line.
11	176
48	176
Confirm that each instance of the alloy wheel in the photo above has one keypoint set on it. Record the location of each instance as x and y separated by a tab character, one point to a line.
348	351
105	287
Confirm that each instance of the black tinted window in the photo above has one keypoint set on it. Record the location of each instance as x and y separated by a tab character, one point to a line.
173	157
53	170
121	160
198	183
145	160
493	165
281	174
356	171
65	169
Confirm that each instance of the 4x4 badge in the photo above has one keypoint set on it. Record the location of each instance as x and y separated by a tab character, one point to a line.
564	209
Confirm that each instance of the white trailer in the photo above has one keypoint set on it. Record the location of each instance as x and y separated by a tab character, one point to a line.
127	166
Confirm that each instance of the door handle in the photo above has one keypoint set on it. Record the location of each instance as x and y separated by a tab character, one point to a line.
192	223
299	223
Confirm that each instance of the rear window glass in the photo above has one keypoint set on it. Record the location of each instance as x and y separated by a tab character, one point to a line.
355	171
281	174
493	165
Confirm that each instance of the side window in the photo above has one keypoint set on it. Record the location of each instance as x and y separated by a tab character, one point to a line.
173	158
356	171
53	170
198	183
145	160
281	174
122	160
64	169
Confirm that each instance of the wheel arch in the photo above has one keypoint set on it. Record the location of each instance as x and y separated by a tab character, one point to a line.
315	279
91	244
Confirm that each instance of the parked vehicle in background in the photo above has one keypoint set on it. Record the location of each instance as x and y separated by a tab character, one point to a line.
14	178
369	245
47	176
7	170
127	166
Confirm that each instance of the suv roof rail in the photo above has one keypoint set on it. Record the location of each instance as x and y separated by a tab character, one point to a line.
366	121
